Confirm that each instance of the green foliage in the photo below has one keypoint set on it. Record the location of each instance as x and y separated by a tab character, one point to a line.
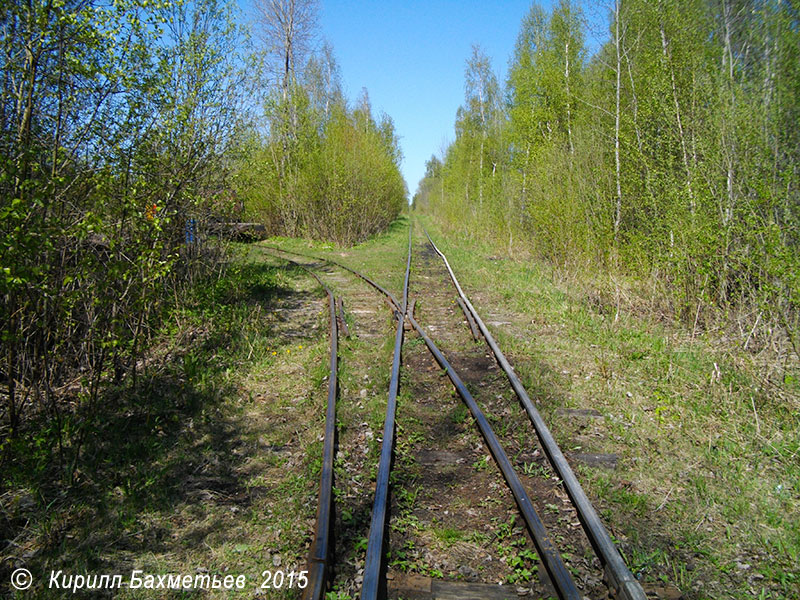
324	170
341	183
670	154
114	123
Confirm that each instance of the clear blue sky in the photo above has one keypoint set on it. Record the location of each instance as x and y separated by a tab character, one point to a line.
411	55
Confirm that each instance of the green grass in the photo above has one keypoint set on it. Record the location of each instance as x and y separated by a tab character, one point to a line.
449	535
459	414
709	450
173	474
382	257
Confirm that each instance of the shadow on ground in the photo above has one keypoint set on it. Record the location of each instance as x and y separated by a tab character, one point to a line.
107	494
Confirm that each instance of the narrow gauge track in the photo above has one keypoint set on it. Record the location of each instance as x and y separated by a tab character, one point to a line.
621	582
320	548
369	331
619	577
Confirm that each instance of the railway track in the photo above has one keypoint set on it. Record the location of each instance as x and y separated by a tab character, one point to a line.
561	499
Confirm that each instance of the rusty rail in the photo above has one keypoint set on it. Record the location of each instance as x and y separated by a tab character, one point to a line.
320	547
619	577
373	561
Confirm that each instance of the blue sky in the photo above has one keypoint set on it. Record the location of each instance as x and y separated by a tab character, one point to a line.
411	54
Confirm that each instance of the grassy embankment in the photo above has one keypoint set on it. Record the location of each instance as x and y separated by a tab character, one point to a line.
708	488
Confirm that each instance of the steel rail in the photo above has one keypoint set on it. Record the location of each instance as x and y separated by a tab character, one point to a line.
620	579
320	547
550	556
373	561
565	586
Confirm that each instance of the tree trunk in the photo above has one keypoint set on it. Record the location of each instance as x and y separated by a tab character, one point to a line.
569	112
682	137
617	169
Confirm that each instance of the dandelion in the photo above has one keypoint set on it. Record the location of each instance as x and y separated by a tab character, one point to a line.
274	353
300	347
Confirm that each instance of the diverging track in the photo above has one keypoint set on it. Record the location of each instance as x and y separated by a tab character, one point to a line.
444	511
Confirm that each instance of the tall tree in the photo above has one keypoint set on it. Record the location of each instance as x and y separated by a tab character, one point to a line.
525	111
481	110
288	29
322	78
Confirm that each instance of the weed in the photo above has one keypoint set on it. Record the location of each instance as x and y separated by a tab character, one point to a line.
504	530
532	469
523	566
459	414
435	573
361	544
337	596
482	464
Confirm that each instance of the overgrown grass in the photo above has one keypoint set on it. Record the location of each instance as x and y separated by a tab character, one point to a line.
707	493
207	464
381	258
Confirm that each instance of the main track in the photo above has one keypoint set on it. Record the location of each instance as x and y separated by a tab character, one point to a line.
493	487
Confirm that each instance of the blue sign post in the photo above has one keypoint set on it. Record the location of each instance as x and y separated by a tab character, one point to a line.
191	230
